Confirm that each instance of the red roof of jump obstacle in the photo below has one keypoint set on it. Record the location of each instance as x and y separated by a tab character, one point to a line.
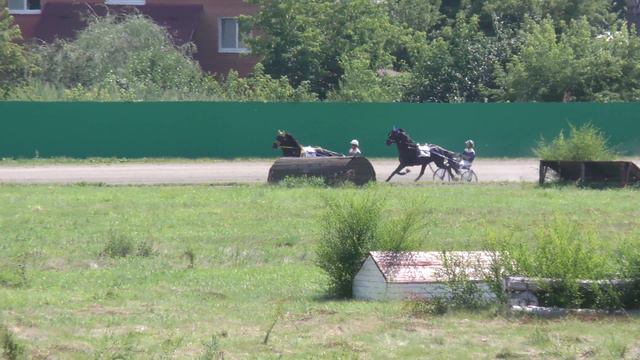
64	20
428	267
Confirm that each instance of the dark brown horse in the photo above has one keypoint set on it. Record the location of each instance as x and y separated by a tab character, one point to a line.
292	148
409	154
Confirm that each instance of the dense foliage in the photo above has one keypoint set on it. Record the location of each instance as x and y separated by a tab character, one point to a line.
14	65
452	51
359	50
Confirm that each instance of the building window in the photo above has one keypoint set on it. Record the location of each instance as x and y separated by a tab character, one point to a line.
124	2
230	36
24	6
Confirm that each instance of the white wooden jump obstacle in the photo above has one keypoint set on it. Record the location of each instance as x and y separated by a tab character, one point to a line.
404	275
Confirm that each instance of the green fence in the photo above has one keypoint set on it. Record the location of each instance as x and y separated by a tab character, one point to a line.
233	130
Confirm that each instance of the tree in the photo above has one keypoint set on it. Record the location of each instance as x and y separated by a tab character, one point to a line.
14	65
305	40
455	66
581	64
419	15
360	83
123	57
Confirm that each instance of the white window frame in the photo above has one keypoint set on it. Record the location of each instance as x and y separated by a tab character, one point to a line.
24	10
125	2
236	50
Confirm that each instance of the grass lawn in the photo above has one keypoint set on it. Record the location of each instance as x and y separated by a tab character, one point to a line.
227	263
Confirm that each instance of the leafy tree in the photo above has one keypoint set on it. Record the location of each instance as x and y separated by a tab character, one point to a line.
598	12
305	40
578	65
360	83
455	66
122	56
14	65
261	87
419	15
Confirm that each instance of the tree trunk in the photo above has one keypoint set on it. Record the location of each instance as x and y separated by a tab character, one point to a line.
633	14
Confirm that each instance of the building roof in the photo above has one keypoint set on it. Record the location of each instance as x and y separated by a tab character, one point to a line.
64	20
427	267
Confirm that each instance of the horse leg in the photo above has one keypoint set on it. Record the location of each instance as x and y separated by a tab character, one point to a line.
395	171
424	166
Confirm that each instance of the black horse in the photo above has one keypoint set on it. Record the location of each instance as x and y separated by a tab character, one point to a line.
292	148
409	154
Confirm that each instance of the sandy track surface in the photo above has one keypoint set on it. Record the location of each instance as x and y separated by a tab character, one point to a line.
230	172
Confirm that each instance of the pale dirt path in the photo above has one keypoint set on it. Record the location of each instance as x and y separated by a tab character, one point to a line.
239	171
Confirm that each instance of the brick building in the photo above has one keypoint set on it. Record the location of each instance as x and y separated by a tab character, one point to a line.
211	24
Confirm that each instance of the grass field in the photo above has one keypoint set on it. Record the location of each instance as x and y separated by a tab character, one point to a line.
212	269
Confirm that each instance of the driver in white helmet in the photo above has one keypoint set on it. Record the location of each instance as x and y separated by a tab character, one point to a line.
468	155
355	148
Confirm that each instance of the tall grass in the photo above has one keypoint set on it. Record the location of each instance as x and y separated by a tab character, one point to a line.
566	252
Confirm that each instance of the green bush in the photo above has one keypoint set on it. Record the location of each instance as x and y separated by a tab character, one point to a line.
465	293
565	252
352	226
584	143
121	245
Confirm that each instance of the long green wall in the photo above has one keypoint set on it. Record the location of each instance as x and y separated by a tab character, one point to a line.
233	130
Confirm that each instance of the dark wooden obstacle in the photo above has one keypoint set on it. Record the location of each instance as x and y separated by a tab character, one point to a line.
612	173
332	169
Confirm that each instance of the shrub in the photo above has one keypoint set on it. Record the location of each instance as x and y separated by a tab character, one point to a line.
584	143
565	252
121	245
349	230
351	227
465	293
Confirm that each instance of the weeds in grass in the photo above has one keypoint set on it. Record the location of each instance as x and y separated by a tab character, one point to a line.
212	350
538	337
13	272
191	258
302	182
119	245
114	347
144	248
11	349
422	308
277	315
616	349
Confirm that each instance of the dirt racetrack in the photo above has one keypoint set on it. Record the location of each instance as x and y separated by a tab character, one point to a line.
226	172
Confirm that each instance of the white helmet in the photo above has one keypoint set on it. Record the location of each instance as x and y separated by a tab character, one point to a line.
469	143
355	142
